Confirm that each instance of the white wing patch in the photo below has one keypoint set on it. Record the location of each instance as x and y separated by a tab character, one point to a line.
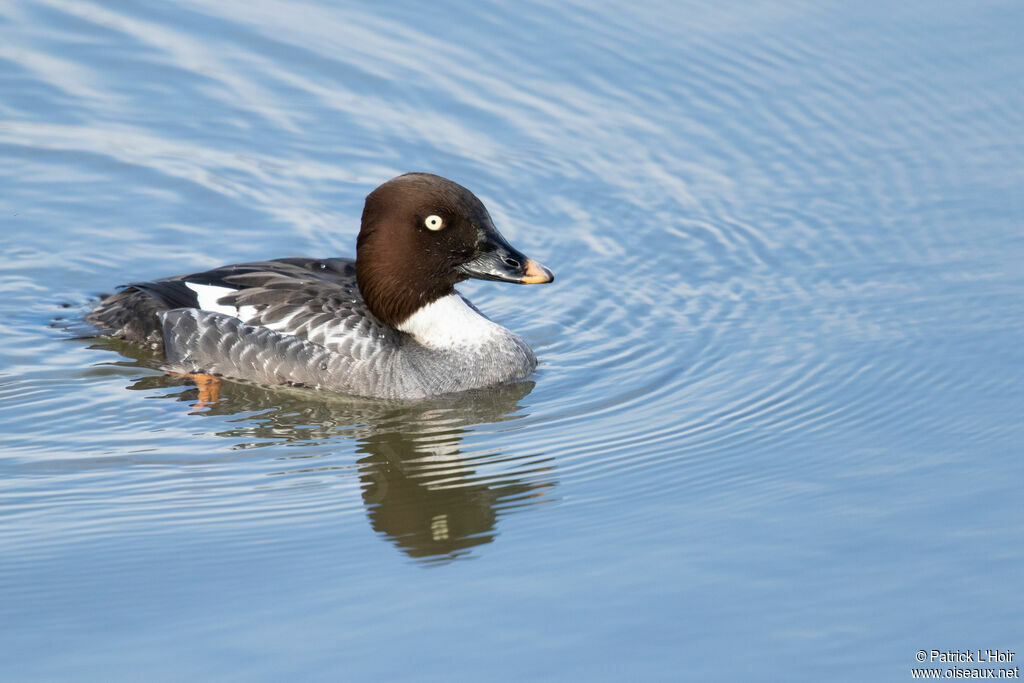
209	295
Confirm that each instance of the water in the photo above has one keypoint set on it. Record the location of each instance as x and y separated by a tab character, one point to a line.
775	434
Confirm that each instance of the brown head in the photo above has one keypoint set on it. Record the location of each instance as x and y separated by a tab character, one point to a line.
420	235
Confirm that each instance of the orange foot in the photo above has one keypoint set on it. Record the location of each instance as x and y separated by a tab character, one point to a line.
208	386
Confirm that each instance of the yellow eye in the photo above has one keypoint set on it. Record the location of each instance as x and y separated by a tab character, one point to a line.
433	222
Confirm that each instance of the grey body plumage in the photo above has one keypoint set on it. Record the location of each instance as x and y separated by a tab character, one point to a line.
326	337
395	368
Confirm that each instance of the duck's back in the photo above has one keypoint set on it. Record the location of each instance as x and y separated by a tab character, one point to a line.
314	299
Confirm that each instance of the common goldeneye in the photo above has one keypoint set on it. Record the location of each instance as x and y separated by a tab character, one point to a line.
388	324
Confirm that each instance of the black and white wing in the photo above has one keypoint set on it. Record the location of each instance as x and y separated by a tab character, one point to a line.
316	300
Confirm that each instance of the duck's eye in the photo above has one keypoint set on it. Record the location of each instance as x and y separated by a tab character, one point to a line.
433	222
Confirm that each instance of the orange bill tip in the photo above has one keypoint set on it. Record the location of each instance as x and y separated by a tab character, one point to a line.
536	273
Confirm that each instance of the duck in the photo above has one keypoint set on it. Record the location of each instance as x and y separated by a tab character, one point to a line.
388	324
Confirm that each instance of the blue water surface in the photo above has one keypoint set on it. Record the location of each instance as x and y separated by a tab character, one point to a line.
776	431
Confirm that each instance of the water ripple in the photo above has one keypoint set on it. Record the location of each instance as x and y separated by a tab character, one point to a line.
754	225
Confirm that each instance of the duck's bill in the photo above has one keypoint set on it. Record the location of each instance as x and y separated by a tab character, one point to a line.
497	260
507	266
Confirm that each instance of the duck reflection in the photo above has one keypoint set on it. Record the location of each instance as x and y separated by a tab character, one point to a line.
425	485
429	497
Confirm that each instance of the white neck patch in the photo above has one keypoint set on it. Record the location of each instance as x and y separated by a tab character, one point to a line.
449	322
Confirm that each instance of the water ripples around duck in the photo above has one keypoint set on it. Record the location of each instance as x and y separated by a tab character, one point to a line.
750	234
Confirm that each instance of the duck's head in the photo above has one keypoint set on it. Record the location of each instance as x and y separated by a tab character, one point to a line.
420	235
